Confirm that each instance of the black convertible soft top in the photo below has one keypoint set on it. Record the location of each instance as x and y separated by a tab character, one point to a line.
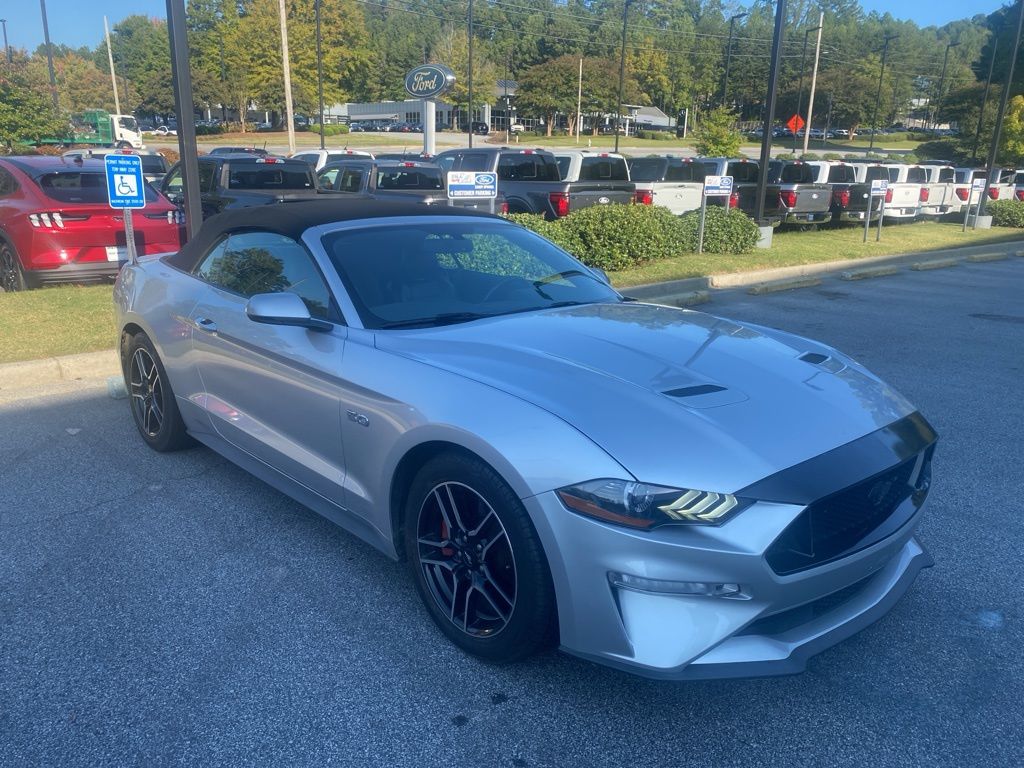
293	219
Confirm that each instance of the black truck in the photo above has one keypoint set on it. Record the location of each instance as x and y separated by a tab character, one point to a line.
530	182
243	180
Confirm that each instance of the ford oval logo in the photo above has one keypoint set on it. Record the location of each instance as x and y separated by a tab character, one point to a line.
429	81
603	200
484	179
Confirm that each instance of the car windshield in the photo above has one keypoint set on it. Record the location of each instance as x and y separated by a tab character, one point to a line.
437	272
81	187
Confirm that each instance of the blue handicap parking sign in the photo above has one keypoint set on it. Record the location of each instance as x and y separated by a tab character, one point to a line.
126	186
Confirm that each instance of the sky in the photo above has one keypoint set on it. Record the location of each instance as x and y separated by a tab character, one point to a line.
80	22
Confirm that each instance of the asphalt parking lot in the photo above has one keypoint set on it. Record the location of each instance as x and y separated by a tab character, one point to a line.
160	610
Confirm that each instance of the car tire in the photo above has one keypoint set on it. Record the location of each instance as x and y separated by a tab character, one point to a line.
476	560
151	399
124	145
12	276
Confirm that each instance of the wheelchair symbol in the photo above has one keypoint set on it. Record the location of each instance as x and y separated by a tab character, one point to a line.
125	185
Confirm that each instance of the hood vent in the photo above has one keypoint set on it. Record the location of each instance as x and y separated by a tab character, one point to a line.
814	358
699	389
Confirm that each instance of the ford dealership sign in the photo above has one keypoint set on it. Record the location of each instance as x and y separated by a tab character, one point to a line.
429	81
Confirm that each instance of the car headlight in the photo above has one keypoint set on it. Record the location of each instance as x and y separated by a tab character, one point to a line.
644	506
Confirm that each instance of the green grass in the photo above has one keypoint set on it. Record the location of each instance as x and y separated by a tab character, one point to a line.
56	321
791	248
308	139
603	142
71	319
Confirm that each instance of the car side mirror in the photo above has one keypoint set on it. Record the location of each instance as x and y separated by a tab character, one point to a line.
283	309
601	274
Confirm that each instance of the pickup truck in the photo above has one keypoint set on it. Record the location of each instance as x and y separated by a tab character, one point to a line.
318	158
801	199
606	174
744	175
530	182
851	198
938	197
241	181
906	191
676	183
413	181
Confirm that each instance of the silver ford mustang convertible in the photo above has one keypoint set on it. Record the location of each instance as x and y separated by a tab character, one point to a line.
652	488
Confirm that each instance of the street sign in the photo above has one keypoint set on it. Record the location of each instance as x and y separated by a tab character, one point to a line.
126	189
126	186
463	184
717	185
879	186
795	123
977	185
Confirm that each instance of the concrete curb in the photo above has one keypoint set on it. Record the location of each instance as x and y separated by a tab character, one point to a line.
921	266
31	373
981	257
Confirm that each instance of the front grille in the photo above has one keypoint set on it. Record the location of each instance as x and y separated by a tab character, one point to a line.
779	623
850	520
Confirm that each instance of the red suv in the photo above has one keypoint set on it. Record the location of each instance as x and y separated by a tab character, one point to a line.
56	225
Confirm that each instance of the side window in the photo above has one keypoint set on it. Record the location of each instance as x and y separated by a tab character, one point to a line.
351	180
172	183
8	184
207	172
474	161
447	162
563	166
265	262
310	160
325	179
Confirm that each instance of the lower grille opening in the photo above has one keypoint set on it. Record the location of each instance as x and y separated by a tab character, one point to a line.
784	621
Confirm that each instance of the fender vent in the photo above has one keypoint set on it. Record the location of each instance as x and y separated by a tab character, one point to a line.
699	389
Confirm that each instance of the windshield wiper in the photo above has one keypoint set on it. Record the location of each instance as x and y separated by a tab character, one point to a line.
445	318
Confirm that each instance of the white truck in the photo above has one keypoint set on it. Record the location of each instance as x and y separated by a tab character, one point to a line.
677	183
938	197
903	200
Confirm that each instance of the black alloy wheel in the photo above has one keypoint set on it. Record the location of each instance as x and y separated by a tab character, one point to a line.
477	561
152	402
12	278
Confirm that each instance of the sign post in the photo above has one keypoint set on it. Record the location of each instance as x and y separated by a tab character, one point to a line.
126	190
473	185
714	186
977	185
879	188
427	82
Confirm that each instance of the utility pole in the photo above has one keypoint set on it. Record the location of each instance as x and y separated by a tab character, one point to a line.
728	55
181	76
49	55
878	98
469	79
7	48
942	83
984	98
800	90
579	102
769	111
993	149
110	60
289	111
814	83
319	73
622	70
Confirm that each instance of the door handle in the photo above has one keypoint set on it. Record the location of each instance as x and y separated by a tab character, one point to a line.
206	324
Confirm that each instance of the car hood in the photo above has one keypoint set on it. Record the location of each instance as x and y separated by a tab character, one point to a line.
678	397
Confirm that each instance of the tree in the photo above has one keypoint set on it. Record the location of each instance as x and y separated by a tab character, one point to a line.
26	111
717	135
1012	149
452	48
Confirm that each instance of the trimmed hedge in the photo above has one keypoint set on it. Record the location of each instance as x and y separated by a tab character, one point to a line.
725	230
616	237
1006	213
552	230
330	129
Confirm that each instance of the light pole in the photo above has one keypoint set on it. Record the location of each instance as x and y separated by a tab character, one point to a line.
878	98
984	99
319	73
728	54
814	84
469	79
942	83
800	90
49	55
997	132
7	48
769	111
622	70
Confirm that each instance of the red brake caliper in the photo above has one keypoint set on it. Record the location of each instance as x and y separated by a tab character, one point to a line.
446	551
